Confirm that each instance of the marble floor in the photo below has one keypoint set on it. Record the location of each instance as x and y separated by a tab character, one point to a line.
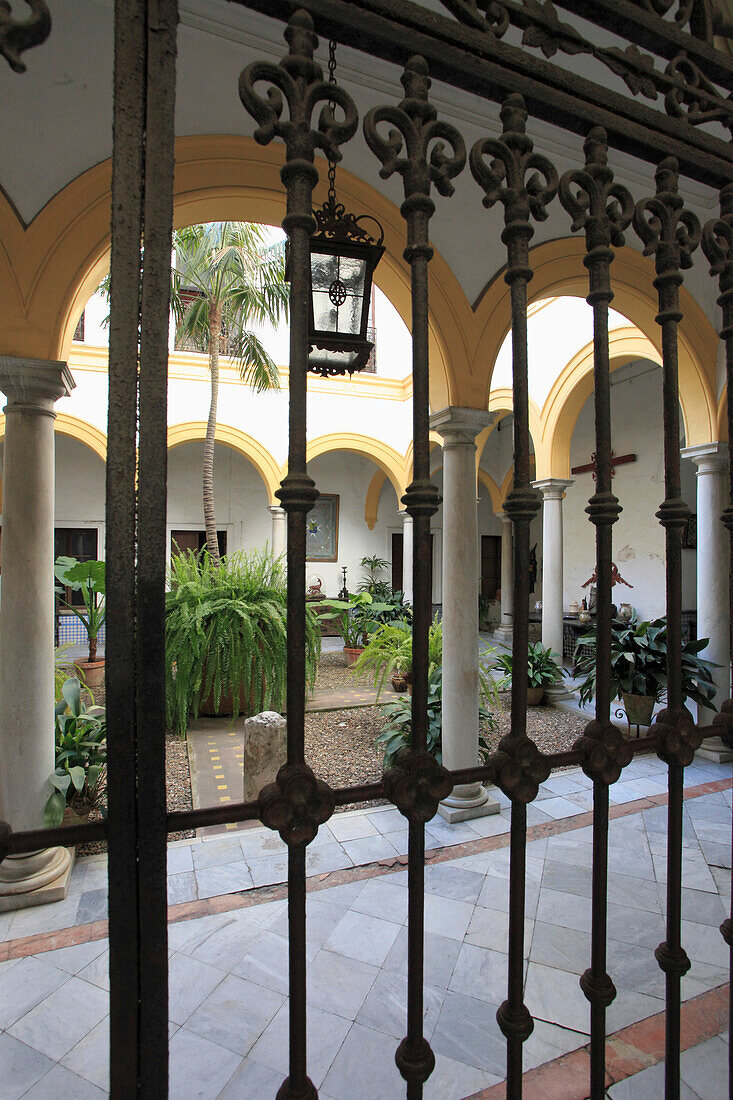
228	969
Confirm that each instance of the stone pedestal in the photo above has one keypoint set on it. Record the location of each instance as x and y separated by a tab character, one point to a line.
553	491
407	544
459	428
505	629
265	751
714	749
279	531
26	624
713	557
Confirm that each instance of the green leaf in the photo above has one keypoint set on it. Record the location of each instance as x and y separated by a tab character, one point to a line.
53	813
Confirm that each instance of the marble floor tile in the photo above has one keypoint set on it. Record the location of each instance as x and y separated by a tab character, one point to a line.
480	973
388	821
214	853
385	1007
90	1057
199	1069
189	983
229	941
352	827
647	1085
382	898
704	945
369	849
45	918
440	958
704	1069
492	825
62	1084
558	807
251	1080
566	910
453	882
451	1080
266	964
467	1032
75	958
331	857
629	1007
548	1041
490	928
180	859
226	878
555	996
182	888
565	948
235	1014
447	917
702	907
634	967
359	936
268	871
339	985
637	926
26	984
97	971
22	1067
364	1068
63	1018
326	1033
261	844
93	906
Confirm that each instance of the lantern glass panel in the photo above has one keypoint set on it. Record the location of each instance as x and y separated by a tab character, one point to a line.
352	273
324	269
325	313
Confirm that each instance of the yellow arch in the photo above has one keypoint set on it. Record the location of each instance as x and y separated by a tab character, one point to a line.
389	461
722	419
435	441
50	268
558	270
374	493
492	488
78	429
252	450
571	390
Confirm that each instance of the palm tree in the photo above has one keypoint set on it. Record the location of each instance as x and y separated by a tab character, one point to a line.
227	276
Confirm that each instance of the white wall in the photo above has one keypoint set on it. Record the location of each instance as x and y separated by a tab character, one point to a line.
638	539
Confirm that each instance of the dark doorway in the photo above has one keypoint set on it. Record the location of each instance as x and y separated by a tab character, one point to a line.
398	561
490	565
181	541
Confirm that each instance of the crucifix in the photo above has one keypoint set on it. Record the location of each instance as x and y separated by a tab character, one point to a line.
590	467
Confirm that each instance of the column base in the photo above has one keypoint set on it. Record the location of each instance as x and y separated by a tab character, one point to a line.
714	749
38	878
504	632
476	802
556	692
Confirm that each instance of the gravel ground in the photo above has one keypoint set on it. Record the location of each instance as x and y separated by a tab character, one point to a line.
333	675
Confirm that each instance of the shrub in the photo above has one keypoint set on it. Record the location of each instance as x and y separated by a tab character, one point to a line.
81	753
389	650
544	668
226	633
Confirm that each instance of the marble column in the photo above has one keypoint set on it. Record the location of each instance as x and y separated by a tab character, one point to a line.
553	491
279	531
406	556
505	628
26	624
459	428
713	556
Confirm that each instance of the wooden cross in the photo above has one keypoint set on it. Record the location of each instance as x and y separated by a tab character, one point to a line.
590	467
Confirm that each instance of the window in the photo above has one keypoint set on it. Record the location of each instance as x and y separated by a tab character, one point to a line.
181	541
79	543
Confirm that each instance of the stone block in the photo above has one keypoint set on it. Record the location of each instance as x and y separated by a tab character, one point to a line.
265	751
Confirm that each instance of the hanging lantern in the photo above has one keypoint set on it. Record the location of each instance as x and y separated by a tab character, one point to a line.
343	257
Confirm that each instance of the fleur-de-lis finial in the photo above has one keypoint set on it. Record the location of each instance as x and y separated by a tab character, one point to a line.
17	36
596	204
669	232
416	146
298	80
504	177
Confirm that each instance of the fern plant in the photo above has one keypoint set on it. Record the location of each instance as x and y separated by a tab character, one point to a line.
389	650
226	634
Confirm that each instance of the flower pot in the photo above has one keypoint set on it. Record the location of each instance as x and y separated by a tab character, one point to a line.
400	681
76	815
352	655
638	708
91	673
535	696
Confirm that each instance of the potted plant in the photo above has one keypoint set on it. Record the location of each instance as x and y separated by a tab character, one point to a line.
88	578
226	636
78	779
544	668
639	668
355	621
388	654
372	583
397	731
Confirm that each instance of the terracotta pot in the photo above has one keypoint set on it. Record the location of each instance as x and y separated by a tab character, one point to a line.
226	703
638	708
91	672
399	681
534	696
352	655
74	816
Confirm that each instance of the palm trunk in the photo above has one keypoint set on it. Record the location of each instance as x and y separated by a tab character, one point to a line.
212	543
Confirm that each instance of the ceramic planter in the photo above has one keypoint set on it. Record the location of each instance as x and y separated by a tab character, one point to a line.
351	656
91	673
535	696
638	708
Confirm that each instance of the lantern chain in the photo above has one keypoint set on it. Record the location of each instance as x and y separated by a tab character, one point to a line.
331	160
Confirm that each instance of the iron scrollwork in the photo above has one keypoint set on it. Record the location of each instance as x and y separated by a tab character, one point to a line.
17	36
296	804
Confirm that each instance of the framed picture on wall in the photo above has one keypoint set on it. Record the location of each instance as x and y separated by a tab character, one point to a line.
322	529
689	538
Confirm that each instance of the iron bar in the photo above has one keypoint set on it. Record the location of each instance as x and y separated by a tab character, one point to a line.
162	21
670	233
603	210
477	62
416	128
121	504
510	172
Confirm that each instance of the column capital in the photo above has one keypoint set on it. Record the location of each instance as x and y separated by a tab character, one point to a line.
405	515
553	488
28	381
709	458
275	510
460	426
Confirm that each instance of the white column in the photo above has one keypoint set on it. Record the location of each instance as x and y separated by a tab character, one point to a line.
713	556
553	491
406	556
459	428
505	628
279	530
26	624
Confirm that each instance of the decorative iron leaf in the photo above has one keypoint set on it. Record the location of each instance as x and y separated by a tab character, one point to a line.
635	68
17	36
549	34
